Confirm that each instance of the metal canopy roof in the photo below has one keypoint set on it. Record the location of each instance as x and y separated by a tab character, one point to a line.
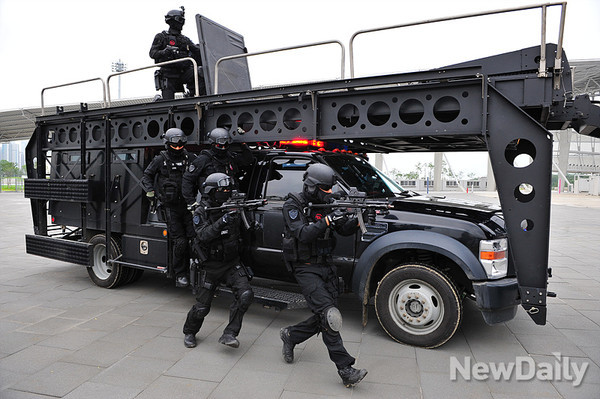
19	124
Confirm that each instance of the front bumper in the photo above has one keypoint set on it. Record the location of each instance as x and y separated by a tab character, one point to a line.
497	299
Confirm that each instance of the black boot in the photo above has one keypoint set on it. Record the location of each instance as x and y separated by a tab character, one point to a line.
288	348
229	340
189	340
351	376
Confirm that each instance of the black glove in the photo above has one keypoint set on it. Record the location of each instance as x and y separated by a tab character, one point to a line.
230	218
337	218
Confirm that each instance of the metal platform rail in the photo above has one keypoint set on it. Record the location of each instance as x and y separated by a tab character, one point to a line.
542	68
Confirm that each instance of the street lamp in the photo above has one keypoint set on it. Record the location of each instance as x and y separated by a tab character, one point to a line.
119	66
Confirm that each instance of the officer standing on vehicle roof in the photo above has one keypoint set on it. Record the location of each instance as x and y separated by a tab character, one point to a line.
219	158
307	246
163	176
218	236
171	45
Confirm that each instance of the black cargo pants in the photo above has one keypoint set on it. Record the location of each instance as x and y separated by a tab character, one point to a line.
233	276
319	285
181	230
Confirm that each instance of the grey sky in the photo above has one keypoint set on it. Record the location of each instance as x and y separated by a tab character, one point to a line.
44	43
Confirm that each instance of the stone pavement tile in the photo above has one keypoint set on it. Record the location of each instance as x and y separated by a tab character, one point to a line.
583	304
584	391
8	325
133	372
270	337
134	334
264	358
369	390
84	312
303	395
576	322
546	345
58	379
112	301
317	379
593	315
32	359
94	390
250	384
34	315
316	351
135	309
439	385
73	339
15	341
512	387
209	360
527	326
8	378
389	370
172	387
102	353
585	364
13	394
593	353
107	322
438	360
382	344
162	348
68	302
582	337
51	326
161	319
208	327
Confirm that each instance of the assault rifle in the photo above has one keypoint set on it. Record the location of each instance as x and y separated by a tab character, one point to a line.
238	203
356	202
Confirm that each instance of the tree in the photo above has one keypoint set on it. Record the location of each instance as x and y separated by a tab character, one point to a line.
8	169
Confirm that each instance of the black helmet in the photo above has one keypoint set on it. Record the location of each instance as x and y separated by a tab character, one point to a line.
217	187
318	181
175	140
176	17
219	138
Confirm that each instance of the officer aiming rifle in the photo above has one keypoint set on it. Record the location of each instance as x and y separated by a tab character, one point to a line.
238	204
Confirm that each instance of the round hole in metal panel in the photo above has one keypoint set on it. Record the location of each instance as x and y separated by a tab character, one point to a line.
378	113
446	109
348	115
292	119
411	111
224	121
267	121
187	125
123	131
245	122
153	129
524	192
520	153
527	224
137	130
72	135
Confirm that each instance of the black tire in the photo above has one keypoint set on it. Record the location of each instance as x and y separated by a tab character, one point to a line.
135	275
417	305
99	272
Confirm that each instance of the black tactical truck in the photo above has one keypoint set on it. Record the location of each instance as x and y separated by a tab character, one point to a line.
418	261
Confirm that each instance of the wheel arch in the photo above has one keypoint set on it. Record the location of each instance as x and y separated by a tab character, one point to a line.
377	252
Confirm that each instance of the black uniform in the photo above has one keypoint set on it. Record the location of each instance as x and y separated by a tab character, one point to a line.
220	241
313	241
163	176
171	45
213	161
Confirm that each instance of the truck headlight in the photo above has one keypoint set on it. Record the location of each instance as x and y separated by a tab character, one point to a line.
493	255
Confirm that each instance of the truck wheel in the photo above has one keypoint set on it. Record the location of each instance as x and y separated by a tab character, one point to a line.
101	274
417	305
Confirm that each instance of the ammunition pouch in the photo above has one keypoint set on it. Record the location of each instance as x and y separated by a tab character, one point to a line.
323	246
169	192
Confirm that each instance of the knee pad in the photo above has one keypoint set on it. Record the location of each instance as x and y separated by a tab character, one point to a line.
246	299
332	318
200	311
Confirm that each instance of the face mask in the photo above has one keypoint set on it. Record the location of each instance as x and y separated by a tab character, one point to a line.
222	196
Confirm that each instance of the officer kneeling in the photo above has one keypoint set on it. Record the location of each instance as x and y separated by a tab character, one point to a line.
218	239
307	245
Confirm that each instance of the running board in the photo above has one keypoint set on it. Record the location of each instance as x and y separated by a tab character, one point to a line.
272	297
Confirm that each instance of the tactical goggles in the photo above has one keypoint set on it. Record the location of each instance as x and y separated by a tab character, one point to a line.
176	141
224	182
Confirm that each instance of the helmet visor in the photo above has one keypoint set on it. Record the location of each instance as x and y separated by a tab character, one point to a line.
224	182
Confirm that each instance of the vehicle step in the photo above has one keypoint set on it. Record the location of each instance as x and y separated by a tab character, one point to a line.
273	297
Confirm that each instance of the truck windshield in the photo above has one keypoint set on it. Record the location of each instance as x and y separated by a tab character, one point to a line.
356	172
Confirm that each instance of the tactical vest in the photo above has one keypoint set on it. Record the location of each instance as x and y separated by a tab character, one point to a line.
295	251
226	247
170	177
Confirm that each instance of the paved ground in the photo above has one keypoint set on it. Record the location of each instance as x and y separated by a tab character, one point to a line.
61	336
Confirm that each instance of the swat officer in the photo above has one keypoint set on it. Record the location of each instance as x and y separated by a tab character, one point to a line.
307	246
219	158
218	235
171	45
162	179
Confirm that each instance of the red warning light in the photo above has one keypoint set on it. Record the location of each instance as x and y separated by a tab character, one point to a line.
303	142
